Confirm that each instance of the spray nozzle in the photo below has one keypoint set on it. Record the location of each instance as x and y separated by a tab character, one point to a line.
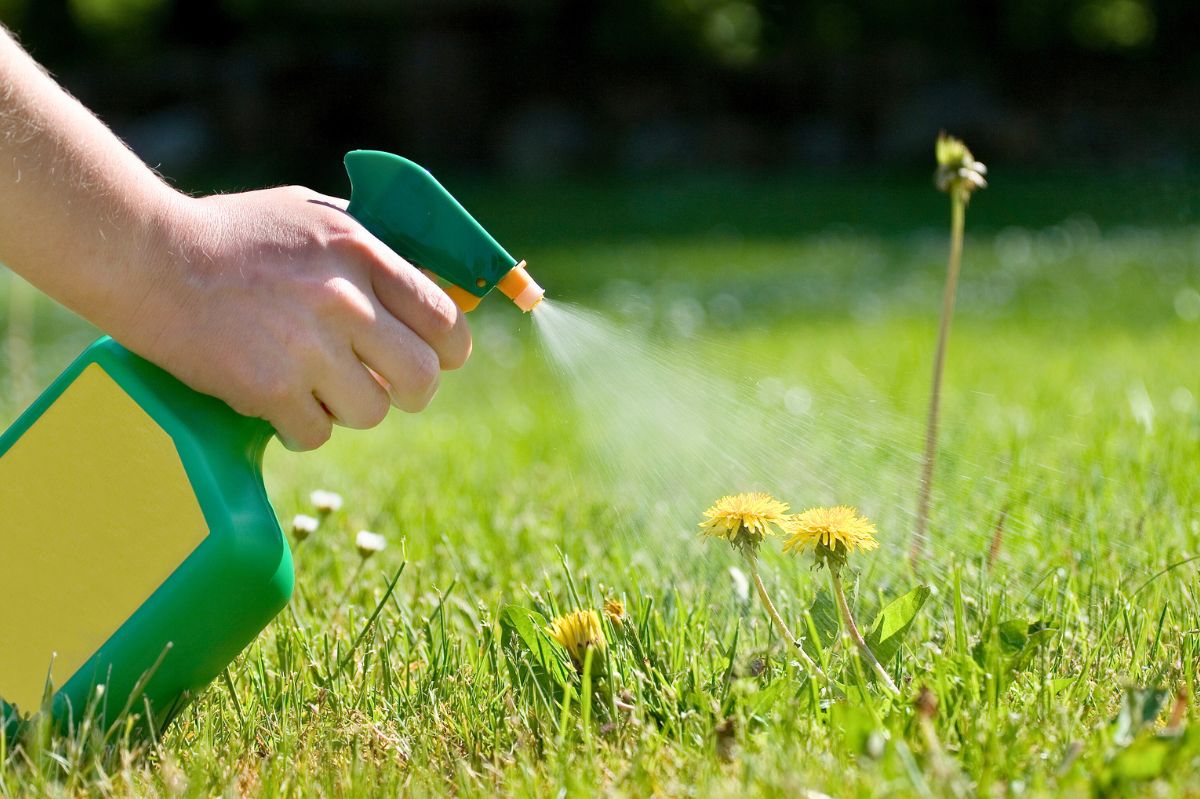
409	211
522	289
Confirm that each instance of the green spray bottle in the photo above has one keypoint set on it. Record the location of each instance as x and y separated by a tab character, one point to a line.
139	550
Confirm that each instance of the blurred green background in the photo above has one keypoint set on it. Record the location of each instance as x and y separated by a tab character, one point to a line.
234	93
703	152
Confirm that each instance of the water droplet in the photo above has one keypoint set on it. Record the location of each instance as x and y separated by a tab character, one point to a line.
1187	304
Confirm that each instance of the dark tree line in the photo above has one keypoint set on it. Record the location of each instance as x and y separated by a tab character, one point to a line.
266	88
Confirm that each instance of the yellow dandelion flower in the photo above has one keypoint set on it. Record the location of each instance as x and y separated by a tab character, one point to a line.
577	632
615	610
744	520
835	532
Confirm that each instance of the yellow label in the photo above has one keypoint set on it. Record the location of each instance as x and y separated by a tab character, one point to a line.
96	512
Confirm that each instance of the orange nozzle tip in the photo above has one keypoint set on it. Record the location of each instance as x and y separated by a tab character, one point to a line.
522	289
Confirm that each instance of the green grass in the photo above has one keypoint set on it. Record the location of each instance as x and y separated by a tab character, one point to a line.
1072	399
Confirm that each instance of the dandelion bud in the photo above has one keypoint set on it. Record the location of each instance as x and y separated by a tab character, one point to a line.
958	172
368	543
326	502
303	526
614	609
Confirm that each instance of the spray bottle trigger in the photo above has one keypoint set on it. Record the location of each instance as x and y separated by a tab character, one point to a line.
403	205
465	300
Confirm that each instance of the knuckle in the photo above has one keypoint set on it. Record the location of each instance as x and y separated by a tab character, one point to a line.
347	239
378	410
443	315
243	394
445	328
276	388
259	391
370	410
335	233
339	297
304	432
427	370
314	436
423	379
458	351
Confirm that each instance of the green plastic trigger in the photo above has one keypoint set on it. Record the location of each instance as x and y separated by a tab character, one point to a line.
409	211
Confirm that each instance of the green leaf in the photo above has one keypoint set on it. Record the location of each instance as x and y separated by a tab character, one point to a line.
852	725
525	630
760	702
1144	759
1011	645
1037	636
824	620
1014	634
891	625
1058	685
1139	709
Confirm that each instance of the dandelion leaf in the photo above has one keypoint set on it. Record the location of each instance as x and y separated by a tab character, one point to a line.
1140	708
824	626
524	636
892	624
759	703
1014	634
1144	759
1012	643
1142	751
1036	636
853	726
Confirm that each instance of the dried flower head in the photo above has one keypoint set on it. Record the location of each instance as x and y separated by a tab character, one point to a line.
926	703
615	610
958	172
326	502
368	543
578	631
304	526
744	520
833	533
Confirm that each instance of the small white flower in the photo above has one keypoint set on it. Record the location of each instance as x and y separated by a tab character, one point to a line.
369	543
304	526
326	502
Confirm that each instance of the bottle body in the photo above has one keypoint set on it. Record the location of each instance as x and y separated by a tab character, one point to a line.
142	551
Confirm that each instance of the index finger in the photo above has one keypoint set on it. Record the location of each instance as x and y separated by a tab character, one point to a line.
420	304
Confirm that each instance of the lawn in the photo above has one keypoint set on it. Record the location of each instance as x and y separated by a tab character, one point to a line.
778	335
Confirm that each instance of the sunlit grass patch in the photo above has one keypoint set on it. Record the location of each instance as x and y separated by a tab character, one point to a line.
1058	666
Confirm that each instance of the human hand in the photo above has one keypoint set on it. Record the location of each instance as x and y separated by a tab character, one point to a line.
275	301
283	306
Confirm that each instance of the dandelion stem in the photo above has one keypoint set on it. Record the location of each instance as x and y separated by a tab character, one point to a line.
835	580
958	213
781	625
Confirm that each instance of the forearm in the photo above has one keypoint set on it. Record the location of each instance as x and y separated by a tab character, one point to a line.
80	215
275	301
